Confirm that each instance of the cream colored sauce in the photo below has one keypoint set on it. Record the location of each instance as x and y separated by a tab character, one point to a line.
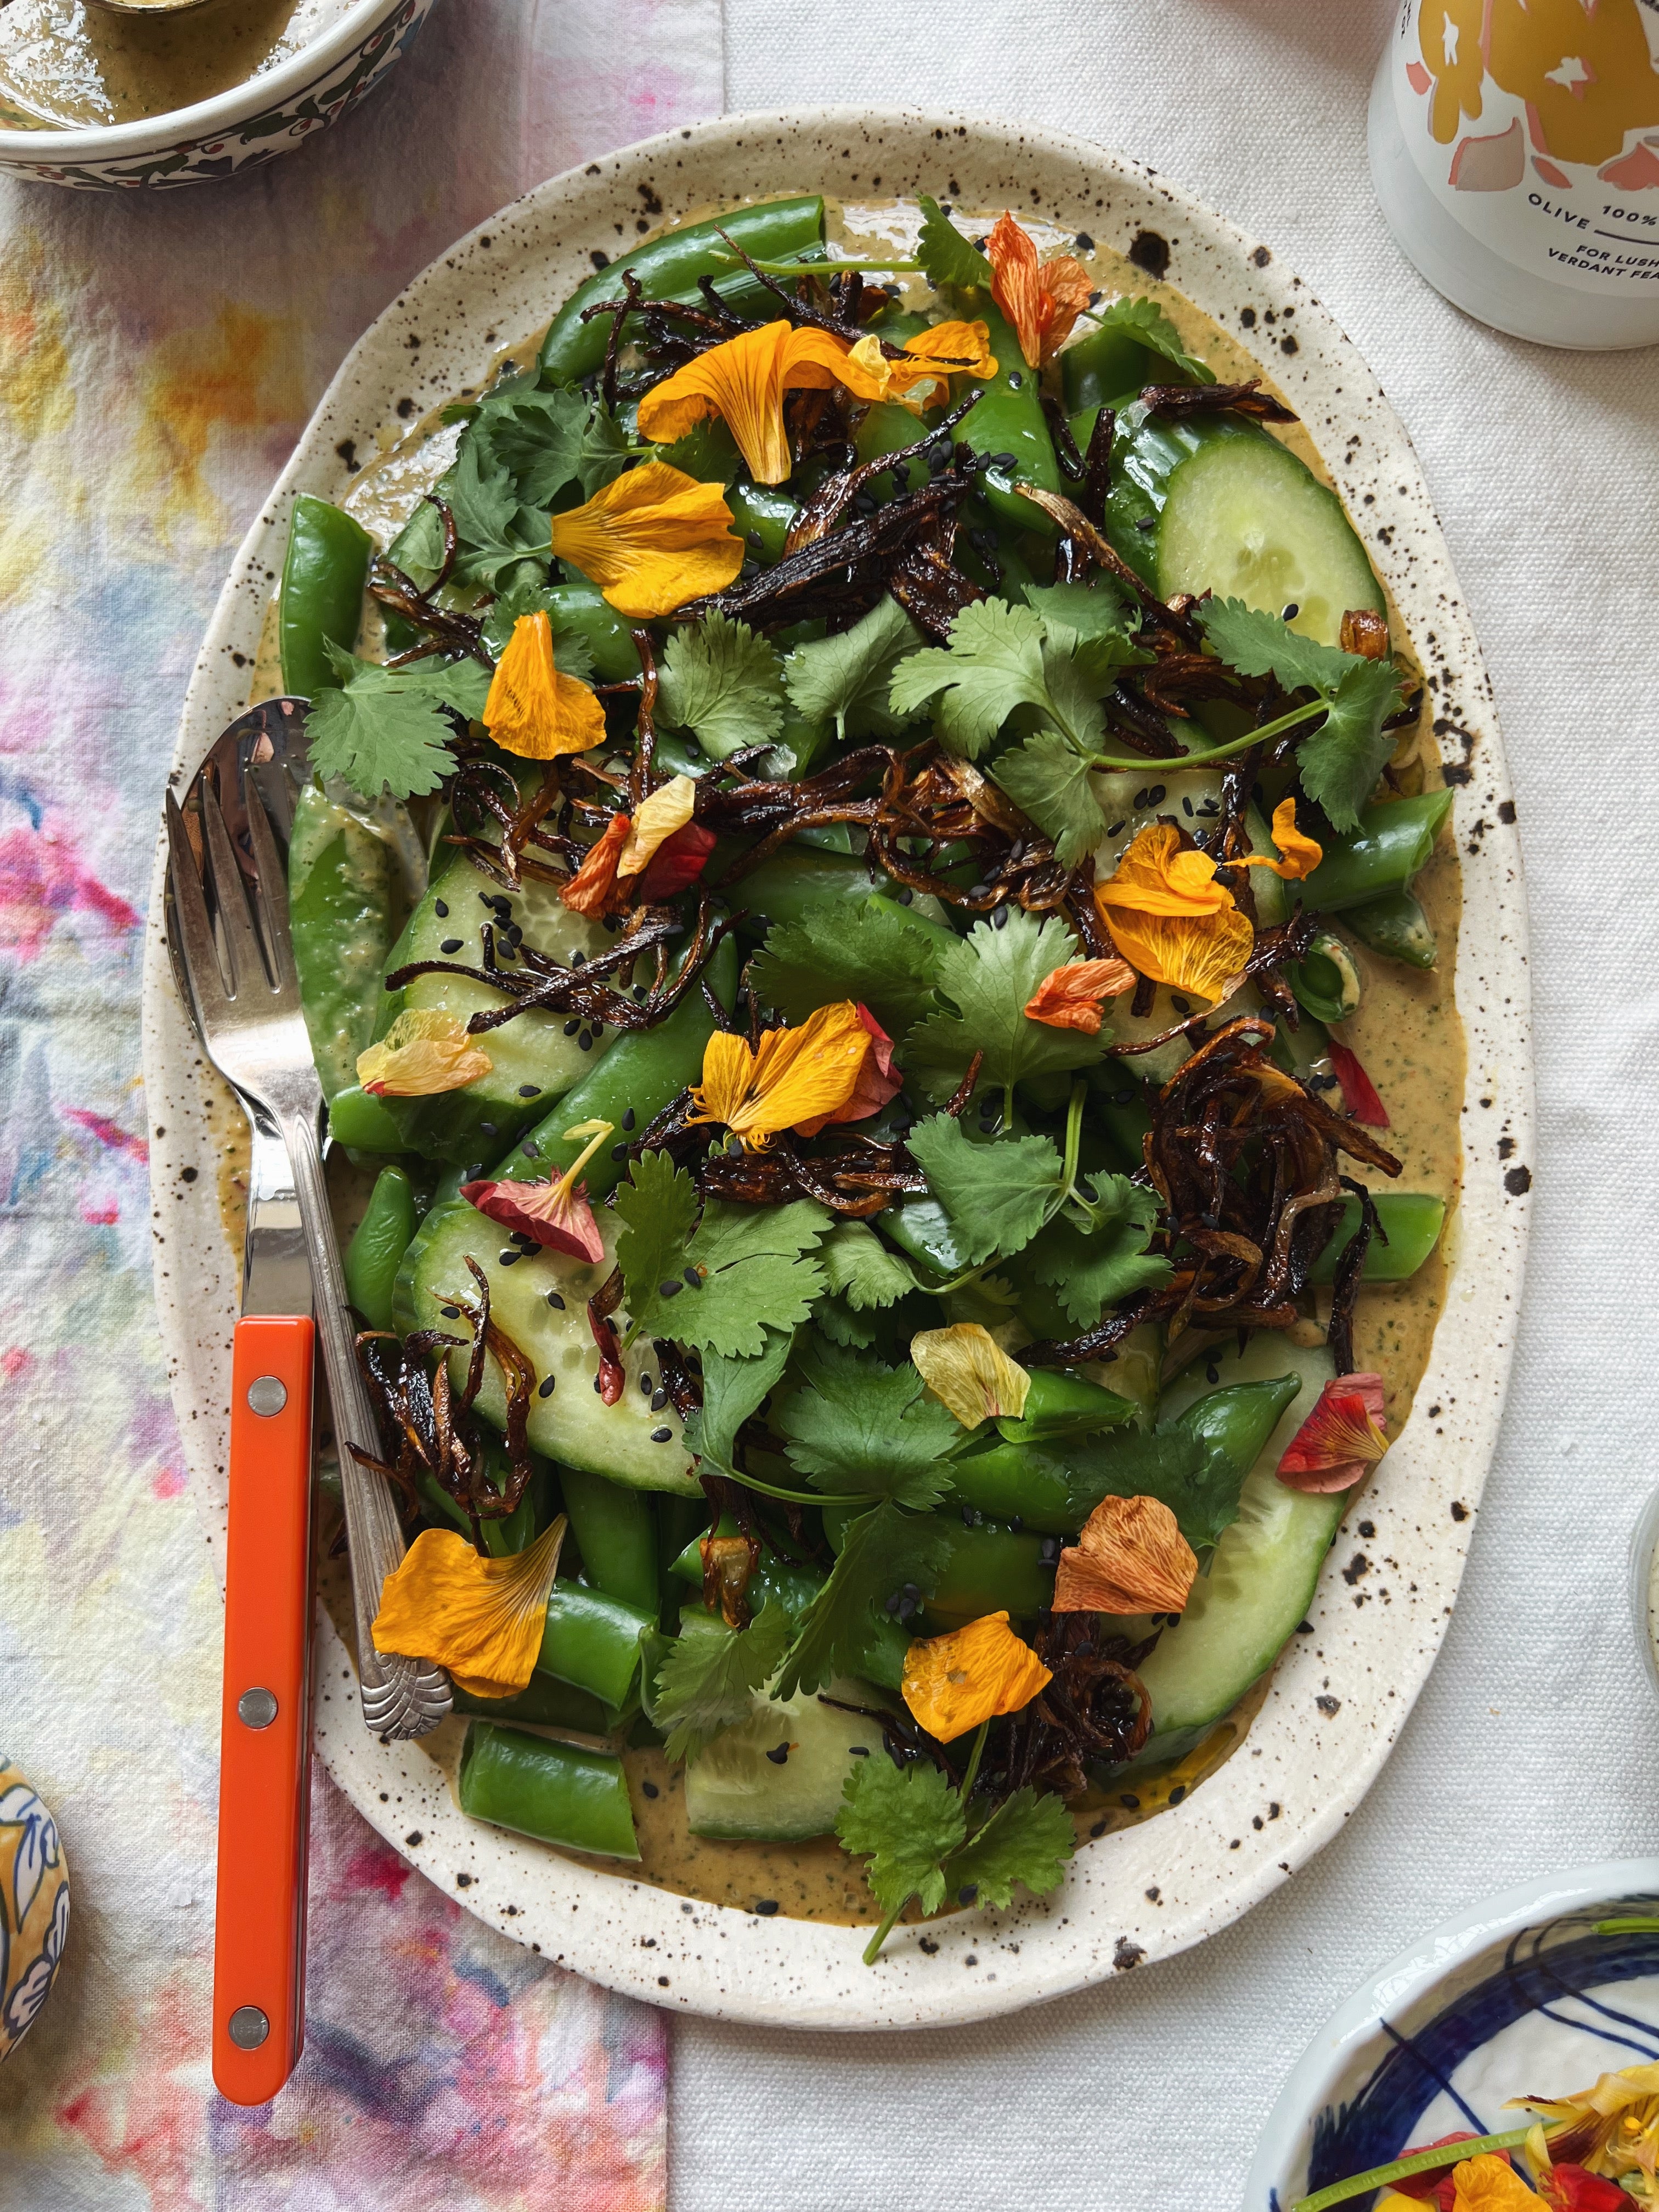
1407	1033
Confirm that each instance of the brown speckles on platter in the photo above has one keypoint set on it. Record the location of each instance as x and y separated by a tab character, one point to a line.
1369	1663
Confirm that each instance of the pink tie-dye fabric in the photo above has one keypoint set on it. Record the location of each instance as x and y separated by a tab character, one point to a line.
157	359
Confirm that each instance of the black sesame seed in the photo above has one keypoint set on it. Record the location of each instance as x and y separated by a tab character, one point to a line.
619	1151
1186	806
768	1905
651	1790
693	1279
450	1313
1098	1829
968	1892
1142	797
670	1290
556	1302
488	1129
450	945
905	895
778	1757
661	1436
1181	1006
1115	828
1146	522
1212	1373
530	1090
628	1119
893	1604
440	909
659	1400
584	1043
544	1387
1154	796
1290	611
571	1027
999	919
645	1386
858	1751
1177	1793
509	1257
579	960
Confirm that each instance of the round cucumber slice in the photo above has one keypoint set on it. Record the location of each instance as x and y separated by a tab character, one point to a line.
1244	519
738	1789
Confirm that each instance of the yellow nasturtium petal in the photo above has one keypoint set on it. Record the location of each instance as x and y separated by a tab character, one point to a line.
744	381
531	709
668	809
482	1618
968	1371
951	1683
919	378
1171	919
651	540
1155	876
1487	2184
1299	854
794	1075
423	1053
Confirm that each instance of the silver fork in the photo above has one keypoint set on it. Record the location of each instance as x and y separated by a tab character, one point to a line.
227	930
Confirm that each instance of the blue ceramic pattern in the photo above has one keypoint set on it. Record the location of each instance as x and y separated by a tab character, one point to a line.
34	1907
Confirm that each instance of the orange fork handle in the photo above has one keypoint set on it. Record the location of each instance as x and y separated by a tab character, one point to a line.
260	1928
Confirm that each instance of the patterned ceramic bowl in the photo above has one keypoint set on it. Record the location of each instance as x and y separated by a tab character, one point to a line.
35	1907
238	130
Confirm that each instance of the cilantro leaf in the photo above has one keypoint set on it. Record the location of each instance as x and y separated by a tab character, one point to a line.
658	1205
1048	780
845	677
1339	762
572	653
495	532
752	1276
838	1321
880	1552
536	436
603	452
418	547
723	683
993	664
946	257
1195	1479
984	982
907	1820
707	1680
1027	1839
733	1389
1096	609
1146	322
387	728
1092	1268
859	1268
997	1194
875	953
854	1425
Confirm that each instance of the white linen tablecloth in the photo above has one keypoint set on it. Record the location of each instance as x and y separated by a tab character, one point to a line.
1533	1748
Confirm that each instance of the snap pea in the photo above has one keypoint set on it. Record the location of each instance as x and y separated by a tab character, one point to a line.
1396	926
762	514
887	428
1107	368
785	887
345	900
616	1534
991	1570
668	268
363	1124
1007	418
378	1245
1412	1221
1061	1404
1326	981
560	1793
321	599
545	1703
795	1587
582	607
1238	1418
592	1641
1392	842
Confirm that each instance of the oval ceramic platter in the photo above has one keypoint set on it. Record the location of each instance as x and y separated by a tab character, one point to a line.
1340	1694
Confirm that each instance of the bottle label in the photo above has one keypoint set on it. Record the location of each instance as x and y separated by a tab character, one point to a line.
1536	123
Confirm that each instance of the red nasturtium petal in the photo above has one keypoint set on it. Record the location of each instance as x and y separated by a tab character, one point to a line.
678	861
876	1084
558	1218
590	890
1340	1439
1358	1092
1576	2189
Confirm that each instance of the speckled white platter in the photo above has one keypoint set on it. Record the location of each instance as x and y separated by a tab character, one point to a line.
1341	1694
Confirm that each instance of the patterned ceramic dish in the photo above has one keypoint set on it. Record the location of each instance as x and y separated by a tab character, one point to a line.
1341	1693
238	130
1518	1994
35	1907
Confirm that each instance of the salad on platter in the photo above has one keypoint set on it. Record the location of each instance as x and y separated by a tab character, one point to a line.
872	916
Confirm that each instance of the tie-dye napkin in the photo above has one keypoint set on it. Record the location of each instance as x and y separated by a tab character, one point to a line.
158	358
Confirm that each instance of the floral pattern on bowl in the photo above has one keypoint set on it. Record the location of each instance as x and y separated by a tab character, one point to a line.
34	1907
240	141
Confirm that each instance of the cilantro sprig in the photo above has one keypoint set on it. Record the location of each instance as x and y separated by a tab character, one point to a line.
946	257
742	1271
390	729
881	1551
875	953
845	679
854	1427
982	985
707	1680
723	684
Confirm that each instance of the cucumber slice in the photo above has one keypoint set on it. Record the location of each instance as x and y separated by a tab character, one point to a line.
736	1791
1262	1577
533	1060
628	1442
1243	518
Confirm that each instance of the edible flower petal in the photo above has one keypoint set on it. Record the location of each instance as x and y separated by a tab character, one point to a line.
1359	1093
1299	855
651	540
557	1214
1130	1558
1614	2125
534	711
951	1683
1576	2189
918	379
1169	918
668	809
1153	875
877	1084
591	889
792	1076
1070	997
424	1052
743	380
1487	2184
1340	1439
678	861
1435	2186
1041	300
968	1371
482	1618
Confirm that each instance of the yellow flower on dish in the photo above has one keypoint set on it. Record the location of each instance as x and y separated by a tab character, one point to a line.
967	1370
534	711
1486	2184
651	540
668	809
744	381
424	1052
1170	919
793	1075
482	1618
1299	854
919	378
1043	299
1611	2128
951	1683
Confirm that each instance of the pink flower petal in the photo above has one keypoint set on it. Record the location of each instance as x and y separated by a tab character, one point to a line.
558	1219
1341	1440
1358	1092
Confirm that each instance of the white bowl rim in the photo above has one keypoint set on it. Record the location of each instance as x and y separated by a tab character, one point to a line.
113	141
1431	1959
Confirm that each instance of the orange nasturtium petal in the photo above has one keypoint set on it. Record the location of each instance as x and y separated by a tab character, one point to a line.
482	1618
1041	300
651	540
534	711
1070	997
1340	1439
1299	854
1487	2184
1154	876
968	1371
1169	918
919	378
668	809
425	1051
744	381
589	890
951	1683
792	1075
1130	1558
